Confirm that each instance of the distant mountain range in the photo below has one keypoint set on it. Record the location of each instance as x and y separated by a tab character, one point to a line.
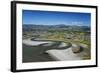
27	27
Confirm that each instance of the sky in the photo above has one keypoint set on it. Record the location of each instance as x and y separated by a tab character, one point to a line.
30	17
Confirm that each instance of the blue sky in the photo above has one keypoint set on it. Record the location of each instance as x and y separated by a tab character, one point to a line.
54	18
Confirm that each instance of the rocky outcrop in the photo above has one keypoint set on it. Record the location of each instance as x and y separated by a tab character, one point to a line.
76	48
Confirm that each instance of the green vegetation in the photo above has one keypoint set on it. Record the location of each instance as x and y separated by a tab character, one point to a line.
63	34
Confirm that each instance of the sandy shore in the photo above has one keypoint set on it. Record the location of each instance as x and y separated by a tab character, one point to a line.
29	42
62	55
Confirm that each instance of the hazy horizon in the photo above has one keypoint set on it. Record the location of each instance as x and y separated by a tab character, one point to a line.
33	17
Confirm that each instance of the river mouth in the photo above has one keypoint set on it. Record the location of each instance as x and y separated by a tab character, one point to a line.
37	50
47	43
34	50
